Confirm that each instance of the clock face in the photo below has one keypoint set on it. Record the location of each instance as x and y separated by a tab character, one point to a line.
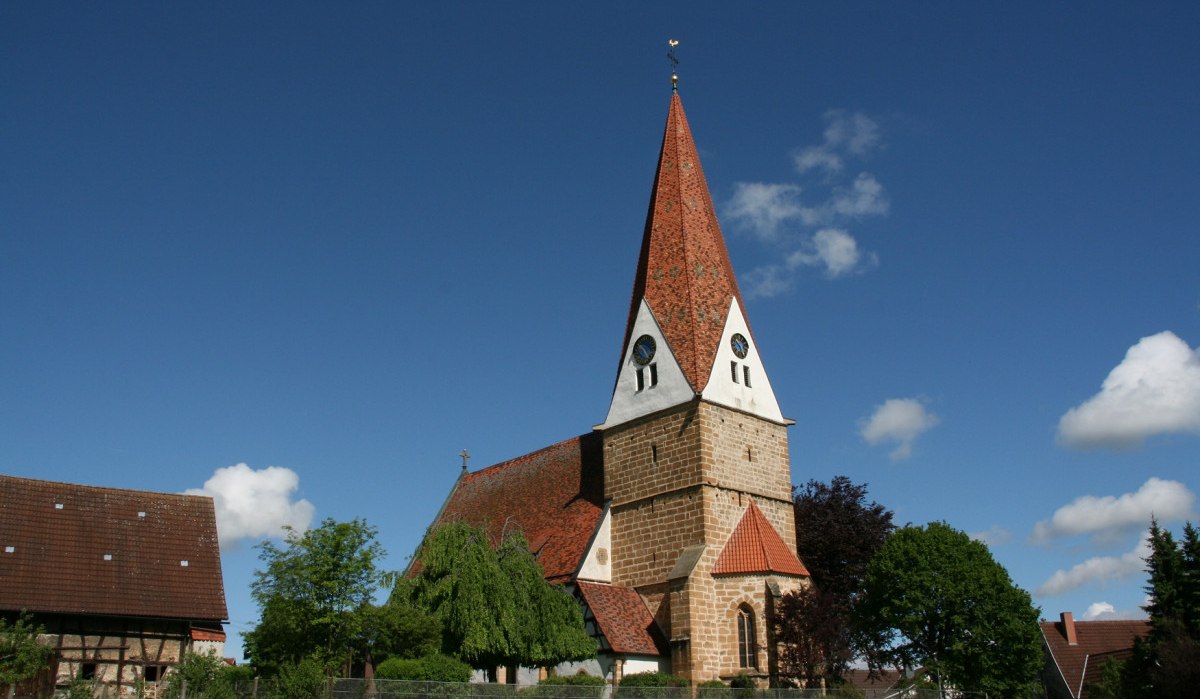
740	345
643	350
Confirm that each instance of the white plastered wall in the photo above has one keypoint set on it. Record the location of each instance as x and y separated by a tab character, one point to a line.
673	389
758	398
597	564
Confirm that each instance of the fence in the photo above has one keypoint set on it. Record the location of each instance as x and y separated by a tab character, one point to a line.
402	689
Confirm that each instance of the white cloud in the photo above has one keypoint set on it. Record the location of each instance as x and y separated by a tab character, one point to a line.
1099	569
255	504
852	133
1097	610
865	197
1154	390
996	536
762	207
775	213
899	420
1108	516
830	248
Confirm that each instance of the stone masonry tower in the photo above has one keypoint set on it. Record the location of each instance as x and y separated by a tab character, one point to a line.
696	467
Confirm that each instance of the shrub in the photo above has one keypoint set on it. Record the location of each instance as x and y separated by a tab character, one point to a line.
203	675
713	689
575	680
651	685
431	668
302	680
653	679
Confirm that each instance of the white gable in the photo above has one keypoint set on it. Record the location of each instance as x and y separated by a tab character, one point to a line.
597	564
727	383
670	388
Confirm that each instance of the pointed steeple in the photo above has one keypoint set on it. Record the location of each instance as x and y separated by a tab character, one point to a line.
687	335
683	273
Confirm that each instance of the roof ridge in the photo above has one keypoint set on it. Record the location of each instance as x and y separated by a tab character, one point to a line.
525	457
103	488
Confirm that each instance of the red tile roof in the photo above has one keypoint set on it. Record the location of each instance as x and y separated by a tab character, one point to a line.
755	547
623	618
554	496
1082	663
77	549
684	272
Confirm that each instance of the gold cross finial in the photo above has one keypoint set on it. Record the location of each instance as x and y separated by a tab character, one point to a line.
674	64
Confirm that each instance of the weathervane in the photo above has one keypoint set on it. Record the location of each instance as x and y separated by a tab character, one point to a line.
674	64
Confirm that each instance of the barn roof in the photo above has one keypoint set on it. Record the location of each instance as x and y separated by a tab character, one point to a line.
554	496
78	549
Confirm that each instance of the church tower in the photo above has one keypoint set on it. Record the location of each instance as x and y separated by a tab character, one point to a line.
696	469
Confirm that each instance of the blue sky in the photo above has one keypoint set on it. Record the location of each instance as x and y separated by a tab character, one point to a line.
341	244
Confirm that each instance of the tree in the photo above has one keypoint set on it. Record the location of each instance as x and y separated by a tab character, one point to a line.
313	595
935	597
837	533
1164	588
22	657
1166	664
495	607
397	629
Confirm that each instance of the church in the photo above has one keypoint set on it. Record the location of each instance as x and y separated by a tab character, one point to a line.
671	521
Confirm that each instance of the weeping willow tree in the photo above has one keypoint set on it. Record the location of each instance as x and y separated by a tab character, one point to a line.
494	605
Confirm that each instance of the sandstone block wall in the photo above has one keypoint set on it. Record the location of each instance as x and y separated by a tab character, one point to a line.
685	477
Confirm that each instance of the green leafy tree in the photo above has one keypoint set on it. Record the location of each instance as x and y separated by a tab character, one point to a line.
22	656
313	595
837	533
935	597
397	629
494	606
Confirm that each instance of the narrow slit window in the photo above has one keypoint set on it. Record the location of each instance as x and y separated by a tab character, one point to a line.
747	638
653	375
641	379
654	453
746	376
733	371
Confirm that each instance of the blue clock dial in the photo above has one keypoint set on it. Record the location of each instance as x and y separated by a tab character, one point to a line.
740	345
643	350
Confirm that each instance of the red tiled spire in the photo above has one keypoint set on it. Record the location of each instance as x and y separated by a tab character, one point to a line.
755	547
684	272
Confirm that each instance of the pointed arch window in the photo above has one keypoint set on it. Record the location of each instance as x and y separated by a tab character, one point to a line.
747	638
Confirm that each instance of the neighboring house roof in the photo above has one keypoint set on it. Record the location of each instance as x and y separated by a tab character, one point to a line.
683	270
78	549
755	547
1081	663
554	496
881	680
623	618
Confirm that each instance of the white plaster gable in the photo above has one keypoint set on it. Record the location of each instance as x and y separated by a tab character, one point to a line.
597	563
757	398
672	389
